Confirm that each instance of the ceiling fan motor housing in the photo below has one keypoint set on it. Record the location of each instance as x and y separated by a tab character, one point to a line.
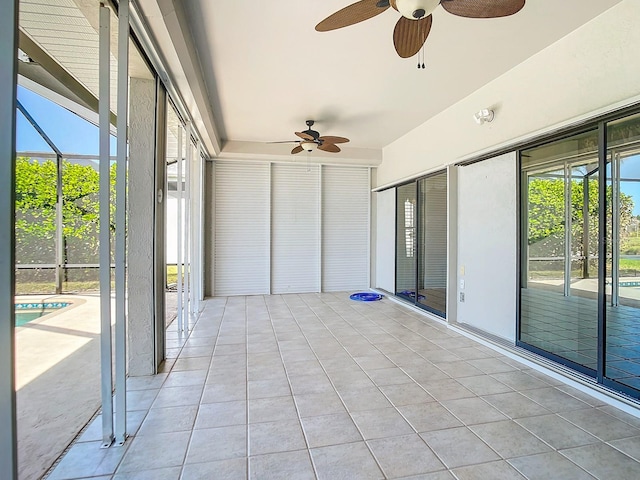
415	9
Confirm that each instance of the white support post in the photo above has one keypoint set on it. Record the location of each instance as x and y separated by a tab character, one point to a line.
187	230
121	223
180	231
8	77
104	113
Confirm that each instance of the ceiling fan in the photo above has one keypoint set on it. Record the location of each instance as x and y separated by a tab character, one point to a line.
311	140
414	25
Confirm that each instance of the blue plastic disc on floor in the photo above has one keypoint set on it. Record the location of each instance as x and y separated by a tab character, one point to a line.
366	296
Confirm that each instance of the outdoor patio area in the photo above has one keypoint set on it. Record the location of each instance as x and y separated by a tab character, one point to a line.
319	386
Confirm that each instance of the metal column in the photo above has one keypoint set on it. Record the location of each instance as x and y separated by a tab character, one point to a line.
567	229
615	229
187	230
121	222
8	76
105	225
180	231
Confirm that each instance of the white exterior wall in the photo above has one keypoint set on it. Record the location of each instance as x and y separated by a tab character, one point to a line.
141	205
487	245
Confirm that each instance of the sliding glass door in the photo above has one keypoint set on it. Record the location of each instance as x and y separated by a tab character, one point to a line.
580	252
421	243
622	282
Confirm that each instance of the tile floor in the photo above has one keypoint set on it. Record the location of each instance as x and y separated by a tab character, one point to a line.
317	386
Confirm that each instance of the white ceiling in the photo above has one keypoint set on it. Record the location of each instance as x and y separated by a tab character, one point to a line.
267	70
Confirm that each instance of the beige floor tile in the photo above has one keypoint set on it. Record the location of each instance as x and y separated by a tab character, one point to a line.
386	422
171	473
557	432
87	459
516	405
604	462
484	385
351	461
500	470
628	446
268	388
168	451
212	444
404	456
554	400
471	411
185	379
447	389
284	465
272	437
178	396
224	392
457	447
315	404
330	430
509	439
601	424
426	417
406	394
235	469
519	380
272	409
389	376
222	414
171	419
549	465
357	400
492	365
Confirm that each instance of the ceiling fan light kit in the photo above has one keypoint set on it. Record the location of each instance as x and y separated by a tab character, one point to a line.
415	9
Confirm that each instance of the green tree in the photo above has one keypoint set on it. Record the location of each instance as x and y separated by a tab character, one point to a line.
547	218
36	199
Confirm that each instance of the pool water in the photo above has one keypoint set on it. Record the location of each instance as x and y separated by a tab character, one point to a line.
26	312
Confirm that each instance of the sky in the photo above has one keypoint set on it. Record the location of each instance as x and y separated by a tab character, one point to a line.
69	132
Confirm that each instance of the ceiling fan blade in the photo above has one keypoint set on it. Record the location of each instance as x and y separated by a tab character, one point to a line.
297	149
329	147
352	14
482	8
410	35
287	141
305	136
330	139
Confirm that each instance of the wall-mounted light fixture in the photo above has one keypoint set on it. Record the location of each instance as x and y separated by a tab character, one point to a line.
484	115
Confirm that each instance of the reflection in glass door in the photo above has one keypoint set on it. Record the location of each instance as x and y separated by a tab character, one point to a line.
558	297
421	243
622	348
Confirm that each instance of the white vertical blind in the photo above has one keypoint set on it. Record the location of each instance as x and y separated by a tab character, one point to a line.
241	247
345	228
295	232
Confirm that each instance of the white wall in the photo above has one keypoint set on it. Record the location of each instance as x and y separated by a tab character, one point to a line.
591	69
487	245
386	240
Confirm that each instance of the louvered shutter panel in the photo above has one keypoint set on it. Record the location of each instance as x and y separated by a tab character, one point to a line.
345	228
295	229
241	246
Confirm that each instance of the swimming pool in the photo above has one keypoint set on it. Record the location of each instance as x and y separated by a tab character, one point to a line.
26	312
